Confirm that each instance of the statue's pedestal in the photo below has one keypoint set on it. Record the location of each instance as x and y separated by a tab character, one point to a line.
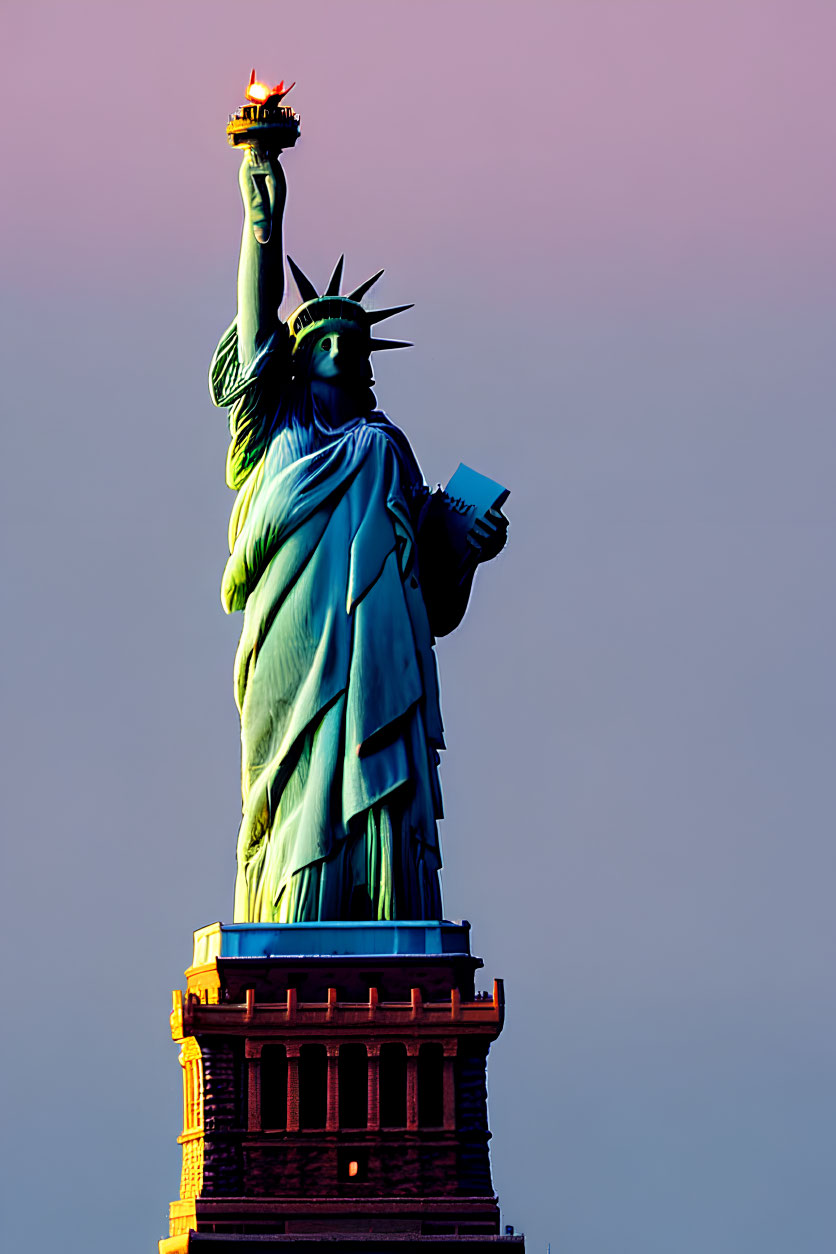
335	1089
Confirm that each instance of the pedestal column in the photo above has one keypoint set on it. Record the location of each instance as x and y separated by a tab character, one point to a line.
449	1086
373	1052
332	1100
412	1087
292	1087
253	1088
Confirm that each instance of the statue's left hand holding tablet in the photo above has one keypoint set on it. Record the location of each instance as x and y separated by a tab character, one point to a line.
263	190
488	535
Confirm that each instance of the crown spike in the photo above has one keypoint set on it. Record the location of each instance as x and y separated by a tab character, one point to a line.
333	288
378	344
360	292
306	289
378	315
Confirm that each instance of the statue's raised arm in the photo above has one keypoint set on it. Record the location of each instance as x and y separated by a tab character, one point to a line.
261	262
250	370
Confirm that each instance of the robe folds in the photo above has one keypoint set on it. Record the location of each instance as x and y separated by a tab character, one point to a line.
335	673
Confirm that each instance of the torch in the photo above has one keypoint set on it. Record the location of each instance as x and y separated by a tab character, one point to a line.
265	124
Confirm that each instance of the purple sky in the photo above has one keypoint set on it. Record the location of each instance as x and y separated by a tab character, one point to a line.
616	221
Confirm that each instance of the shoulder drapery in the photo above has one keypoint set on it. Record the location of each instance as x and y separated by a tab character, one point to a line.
246	390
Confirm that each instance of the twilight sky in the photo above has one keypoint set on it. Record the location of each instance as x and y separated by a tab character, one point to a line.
616	220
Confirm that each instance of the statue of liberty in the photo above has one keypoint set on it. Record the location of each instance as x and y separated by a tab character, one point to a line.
346	568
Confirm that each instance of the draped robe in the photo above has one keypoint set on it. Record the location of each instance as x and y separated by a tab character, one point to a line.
335	673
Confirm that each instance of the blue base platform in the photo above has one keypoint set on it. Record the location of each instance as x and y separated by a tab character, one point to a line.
418	938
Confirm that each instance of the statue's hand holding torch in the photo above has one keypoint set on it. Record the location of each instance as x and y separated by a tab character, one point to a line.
263	128
263	191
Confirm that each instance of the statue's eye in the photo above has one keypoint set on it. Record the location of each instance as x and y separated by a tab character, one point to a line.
325	346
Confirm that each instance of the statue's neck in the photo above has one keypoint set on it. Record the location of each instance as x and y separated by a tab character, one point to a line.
341	405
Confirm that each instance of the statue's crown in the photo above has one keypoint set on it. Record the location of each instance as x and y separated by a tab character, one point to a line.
330	311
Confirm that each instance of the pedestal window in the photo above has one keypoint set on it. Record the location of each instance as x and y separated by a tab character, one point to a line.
393	1085
313	1086
431	1085
353	1086
274	1088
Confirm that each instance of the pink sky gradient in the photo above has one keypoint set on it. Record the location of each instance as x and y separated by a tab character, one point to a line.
672	137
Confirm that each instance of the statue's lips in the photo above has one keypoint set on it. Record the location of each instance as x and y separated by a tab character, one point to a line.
348	379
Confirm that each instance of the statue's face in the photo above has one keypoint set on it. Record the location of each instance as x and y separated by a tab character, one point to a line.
340	373
342	357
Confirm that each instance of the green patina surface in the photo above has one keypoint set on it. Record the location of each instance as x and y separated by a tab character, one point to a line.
340	563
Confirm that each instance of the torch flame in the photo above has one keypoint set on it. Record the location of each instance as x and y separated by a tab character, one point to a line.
259	92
